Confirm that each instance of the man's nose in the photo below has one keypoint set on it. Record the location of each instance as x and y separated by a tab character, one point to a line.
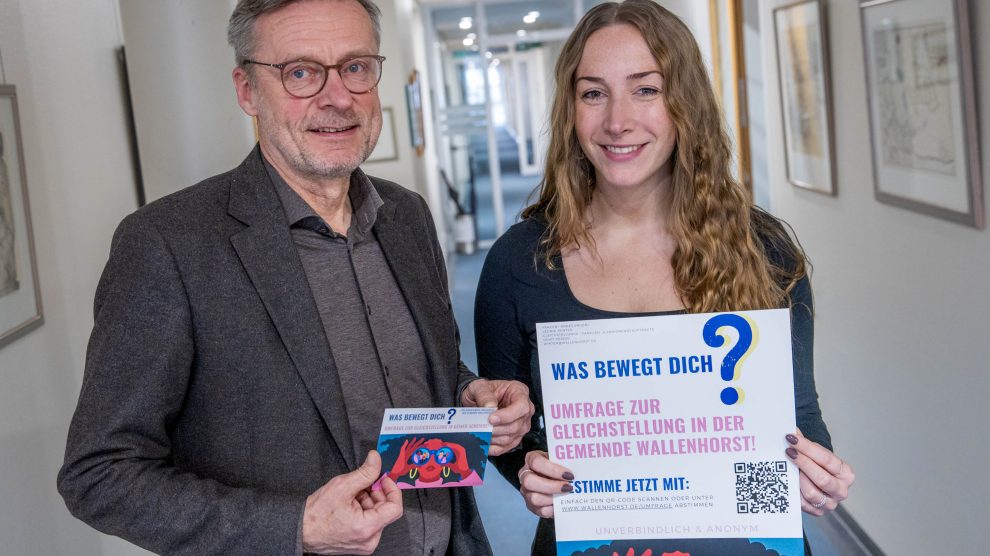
334	93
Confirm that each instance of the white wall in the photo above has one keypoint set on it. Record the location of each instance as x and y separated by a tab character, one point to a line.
61	57
189	125
404	46
401	29
903	363
188	122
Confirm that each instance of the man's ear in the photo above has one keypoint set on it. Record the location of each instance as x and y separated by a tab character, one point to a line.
245	91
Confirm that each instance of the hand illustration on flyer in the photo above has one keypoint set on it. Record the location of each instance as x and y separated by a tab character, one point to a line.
435	447
674	429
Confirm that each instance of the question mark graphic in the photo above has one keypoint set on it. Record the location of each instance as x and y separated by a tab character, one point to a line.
715	337
450	414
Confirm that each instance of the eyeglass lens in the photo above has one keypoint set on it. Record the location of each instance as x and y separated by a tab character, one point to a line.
442	456
305	79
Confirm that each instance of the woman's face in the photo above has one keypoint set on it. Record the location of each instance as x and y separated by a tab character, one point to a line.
431	458
621	117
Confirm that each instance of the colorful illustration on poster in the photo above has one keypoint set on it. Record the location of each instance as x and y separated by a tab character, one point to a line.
437	460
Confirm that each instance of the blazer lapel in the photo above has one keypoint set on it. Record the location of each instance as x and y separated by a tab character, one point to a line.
412	266
269	256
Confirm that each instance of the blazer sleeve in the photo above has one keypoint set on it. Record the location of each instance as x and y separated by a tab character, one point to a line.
119	473
464	375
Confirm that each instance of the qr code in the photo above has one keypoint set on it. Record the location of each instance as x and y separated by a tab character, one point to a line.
761	487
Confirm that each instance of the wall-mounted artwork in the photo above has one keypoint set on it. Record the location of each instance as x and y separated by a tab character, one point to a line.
919	72
414	102
729	79
20	296
386	149
802	62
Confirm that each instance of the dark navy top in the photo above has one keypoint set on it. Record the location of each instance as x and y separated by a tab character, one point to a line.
516	290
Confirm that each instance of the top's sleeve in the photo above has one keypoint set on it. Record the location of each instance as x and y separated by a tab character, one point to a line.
809	414
119	473
780	251
503	344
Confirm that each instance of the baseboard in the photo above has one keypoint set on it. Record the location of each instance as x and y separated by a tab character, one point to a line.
845	527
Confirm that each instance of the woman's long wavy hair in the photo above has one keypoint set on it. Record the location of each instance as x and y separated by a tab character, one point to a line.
720	261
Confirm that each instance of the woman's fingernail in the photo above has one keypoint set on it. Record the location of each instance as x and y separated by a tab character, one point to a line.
791	453
791	438
568	487
567	475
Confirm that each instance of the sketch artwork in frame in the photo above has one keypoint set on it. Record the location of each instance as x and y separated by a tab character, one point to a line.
414	103
919	74
386	148
20	296
802	64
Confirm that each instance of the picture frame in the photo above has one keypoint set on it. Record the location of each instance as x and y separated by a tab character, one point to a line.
20	292
386	148
805	96
729	79
920	94
414	103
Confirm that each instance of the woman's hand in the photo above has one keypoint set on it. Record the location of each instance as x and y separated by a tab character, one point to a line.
825	479
540	479
460	465
401	465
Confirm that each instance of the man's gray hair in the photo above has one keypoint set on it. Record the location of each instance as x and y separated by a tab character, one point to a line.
240	29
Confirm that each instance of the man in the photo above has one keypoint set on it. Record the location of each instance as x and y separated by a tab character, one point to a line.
251	330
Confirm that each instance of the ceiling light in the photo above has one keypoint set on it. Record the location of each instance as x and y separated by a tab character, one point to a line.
488	54
521	33
465	23
531	17
468	41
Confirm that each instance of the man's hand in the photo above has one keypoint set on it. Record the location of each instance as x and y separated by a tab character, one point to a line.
345	516
512	420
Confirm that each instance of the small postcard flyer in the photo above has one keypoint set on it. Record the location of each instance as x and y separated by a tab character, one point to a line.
674	428
435	447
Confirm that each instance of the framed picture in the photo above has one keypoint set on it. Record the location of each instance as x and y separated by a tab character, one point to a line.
414	101
919	74
802	64
386	148
729	79
20	295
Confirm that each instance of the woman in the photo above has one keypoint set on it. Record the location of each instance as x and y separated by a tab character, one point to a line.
638	214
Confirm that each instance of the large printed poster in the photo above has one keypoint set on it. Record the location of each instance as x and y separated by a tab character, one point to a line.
674	429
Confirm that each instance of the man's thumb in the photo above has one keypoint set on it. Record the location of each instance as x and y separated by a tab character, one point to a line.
363	477
482	394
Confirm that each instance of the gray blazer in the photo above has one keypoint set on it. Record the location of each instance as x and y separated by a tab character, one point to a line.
210	406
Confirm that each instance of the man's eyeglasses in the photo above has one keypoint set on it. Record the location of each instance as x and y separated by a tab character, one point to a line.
442	456
305	78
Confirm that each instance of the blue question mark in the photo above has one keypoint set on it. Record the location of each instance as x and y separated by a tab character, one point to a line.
450	414
715	338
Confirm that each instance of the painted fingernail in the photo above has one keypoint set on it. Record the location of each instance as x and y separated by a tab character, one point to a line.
791	438
568	487
791	453
567	476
